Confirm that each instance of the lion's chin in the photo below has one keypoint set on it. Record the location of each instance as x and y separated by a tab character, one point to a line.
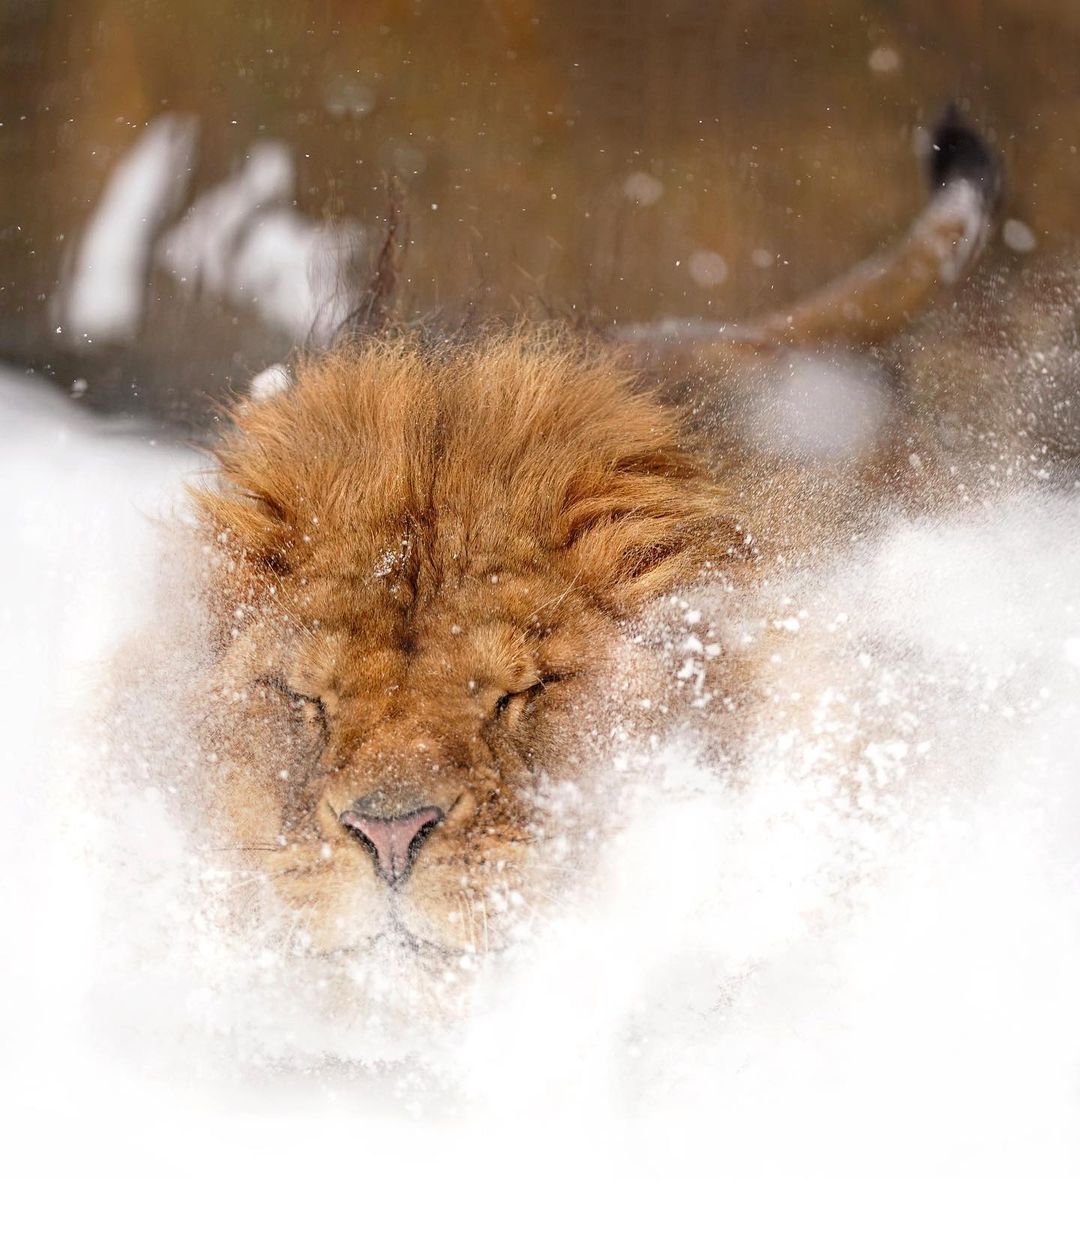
398	938
427	928
392	936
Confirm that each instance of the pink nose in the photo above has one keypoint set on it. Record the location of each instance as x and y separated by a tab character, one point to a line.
392	838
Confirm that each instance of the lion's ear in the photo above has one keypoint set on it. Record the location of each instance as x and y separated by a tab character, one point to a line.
681	561
255	526
633	558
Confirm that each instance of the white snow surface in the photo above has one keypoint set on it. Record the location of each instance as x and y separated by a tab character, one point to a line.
786	977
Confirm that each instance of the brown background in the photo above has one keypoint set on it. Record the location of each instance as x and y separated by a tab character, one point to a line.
521	121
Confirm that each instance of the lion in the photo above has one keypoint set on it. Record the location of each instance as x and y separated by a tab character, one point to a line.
438	577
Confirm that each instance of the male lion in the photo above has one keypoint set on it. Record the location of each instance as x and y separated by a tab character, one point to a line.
433	565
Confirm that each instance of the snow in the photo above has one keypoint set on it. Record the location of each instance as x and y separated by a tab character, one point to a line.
241	241
1018	236
103	299
708	268
643	188
860	960
815	408
270	381
244	241
884	60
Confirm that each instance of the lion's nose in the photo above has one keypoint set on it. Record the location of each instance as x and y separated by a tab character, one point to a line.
394	840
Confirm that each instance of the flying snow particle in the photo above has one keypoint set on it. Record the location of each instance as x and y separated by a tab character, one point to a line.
821	409
270	381
643	188
1018	236
884	60
707	268
345	96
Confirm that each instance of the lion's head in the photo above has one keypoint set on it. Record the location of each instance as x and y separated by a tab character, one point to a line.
425	561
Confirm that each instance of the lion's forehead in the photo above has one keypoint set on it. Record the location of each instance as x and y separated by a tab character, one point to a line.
449	551
337	596
497	628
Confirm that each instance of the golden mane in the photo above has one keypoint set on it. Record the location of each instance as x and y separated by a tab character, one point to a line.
527	439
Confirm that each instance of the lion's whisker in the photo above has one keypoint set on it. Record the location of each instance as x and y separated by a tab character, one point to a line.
530	865
470	918
540	892
237	880
244	848
534	912
483	910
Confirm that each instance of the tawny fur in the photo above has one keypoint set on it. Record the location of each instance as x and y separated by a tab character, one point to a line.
430	558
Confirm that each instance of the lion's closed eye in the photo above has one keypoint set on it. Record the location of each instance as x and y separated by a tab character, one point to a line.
517	700
310	707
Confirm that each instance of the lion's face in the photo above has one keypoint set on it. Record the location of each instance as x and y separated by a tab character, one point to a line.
380	765
416	626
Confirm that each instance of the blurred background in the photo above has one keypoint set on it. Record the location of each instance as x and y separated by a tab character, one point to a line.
188	188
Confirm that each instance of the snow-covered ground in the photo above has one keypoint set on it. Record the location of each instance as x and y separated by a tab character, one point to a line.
854	976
